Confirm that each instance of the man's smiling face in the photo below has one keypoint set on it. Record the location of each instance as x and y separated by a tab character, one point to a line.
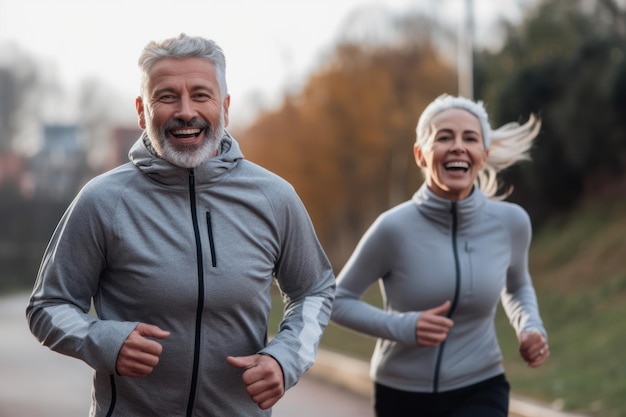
185	114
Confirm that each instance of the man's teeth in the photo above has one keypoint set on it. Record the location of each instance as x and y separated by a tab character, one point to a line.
181	132
457	164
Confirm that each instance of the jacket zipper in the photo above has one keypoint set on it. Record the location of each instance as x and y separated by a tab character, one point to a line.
211	243
200	307
113	397
455	300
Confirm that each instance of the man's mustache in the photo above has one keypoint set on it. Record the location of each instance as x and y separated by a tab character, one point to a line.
193	123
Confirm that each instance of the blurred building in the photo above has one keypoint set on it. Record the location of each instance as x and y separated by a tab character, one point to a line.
13	173
59	168
122	138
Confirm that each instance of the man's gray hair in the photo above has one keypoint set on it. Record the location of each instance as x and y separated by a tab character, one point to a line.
181	47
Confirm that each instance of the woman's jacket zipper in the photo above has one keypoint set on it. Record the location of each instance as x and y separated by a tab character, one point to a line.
457	271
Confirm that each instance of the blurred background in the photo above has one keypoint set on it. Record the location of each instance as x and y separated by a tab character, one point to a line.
327	94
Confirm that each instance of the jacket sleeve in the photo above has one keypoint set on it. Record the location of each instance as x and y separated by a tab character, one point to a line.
59	308
307	283
369	262
519	299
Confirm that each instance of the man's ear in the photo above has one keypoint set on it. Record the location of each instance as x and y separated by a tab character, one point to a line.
140	112
226	105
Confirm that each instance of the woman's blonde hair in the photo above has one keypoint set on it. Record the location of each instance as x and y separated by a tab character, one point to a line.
507	144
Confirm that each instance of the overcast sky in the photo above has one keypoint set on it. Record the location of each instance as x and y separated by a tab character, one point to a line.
270	45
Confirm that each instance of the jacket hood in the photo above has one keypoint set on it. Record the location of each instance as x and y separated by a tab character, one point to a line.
163	172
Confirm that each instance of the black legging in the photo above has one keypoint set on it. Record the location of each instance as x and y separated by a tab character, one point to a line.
489	398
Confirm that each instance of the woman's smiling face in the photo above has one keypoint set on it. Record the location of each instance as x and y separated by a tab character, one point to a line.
454	154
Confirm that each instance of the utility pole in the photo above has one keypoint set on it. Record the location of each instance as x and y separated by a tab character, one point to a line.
465	64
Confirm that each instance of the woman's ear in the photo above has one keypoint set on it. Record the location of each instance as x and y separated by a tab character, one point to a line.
419	156
484	159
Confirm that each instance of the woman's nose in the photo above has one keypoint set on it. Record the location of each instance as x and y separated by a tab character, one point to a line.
457	144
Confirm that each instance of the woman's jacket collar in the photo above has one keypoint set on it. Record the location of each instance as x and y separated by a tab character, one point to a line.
439	209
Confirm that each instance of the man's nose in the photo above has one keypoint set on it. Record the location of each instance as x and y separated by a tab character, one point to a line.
186	110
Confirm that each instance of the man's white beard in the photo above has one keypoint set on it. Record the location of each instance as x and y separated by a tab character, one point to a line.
192	156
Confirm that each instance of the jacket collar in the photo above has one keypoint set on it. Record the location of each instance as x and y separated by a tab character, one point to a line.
208	173
439	209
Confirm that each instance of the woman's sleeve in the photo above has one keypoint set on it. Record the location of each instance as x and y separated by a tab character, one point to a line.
370	262
519	299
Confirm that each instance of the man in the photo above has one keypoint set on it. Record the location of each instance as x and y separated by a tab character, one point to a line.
178	251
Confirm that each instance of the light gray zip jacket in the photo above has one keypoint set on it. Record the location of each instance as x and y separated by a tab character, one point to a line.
194	252
423	252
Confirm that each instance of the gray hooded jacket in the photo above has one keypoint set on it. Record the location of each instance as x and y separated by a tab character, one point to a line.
195	252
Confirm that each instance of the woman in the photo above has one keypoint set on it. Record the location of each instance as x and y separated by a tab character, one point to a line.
443	261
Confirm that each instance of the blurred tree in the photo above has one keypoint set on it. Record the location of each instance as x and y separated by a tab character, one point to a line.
96	107
28	90
24	234
346	140
566	62
20	81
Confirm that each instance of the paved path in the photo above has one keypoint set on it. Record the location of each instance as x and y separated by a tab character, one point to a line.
36	382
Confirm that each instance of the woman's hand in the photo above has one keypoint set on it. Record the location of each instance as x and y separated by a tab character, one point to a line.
534	348
432	326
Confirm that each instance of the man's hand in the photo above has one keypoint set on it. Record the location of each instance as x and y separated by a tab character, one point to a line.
262	376
432	326
139	355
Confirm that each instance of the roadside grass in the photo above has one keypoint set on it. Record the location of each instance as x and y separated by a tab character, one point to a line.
578	264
